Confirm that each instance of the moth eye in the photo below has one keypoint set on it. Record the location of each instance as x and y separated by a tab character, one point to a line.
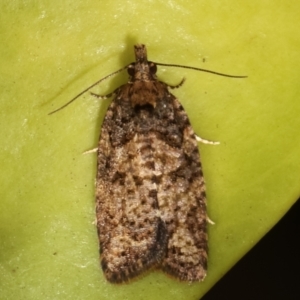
153	67
130	70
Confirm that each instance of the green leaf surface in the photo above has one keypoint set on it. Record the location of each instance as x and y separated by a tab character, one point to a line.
52	50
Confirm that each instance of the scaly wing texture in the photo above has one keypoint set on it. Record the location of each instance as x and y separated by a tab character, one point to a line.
150	189
182	202
131	234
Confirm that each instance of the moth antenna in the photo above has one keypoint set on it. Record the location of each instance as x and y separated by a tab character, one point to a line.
199	69
73	99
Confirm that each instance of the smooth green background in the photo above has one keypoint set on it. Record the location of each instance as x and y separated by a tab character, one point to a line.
52	50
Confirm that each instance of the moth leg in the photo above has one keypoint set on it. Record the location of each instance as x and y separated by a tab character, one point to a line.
104	96
199	139
90	151
113	94
177	85
210	221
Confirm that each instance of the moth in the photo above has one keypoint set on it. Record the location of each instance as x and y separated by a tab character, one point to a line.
150	190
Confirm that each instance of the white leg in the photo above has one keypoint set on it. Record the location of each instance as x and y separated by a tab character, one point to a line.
199	139
210	221
90	151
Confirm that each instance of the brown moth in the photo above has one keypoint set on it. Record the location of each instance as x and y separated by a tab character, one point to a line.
150	190
150	194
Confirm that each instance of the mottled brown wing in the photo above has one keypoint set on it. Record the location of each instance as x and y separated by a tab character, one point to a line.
150	189
182	202
132	235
